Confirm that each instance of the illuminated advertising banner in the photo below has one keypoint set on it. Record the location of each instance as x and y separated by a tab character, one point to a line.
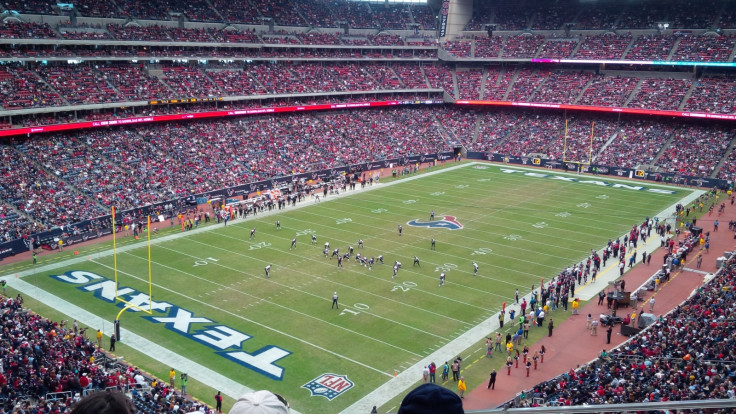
323	107
633	111
205	115
635	62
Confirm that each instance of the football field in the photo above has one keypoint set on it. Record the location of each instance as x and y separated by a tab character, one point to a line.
213	304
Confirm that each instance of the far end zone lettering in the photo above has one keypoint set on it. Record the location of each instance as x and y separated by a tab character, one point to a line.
593	182
227	342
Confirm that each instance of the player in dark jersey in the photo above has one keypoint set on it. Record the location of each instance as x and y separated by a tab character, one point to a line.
357	257
400	229
268	271
370	263
339	261
326	252
293	243
442	279
431	215
433	246
252	233
346	256
416	262
278	225
335	252
364	261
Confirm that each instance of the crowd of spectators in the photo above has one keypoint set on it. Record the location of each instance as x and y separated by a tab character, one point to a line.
608	91
660	93
684	15
551	17
597	16
39	194
390	16
21	88
132	84
603	46
527	81
512	16
79	84
705	48
22	30
712	94
459	125
43	85
637	143
557	49
644	17
410	75
153	33
651	47
522	46
493	127
534	133
468	83
423	16
488	47
236	82
562	87
96	8
61	179
689	47
189	81
497	82
727	171
83	32
440	77
481	17
696	150
459	48
49	366
685	355
537	15
89	172
385	39
280	39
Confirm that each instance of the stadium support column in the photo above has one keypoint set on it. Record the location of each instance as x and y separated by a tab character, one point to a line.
458	15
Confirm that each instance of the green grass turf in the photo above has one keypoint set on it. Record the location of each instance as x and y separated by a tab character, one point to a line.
519	229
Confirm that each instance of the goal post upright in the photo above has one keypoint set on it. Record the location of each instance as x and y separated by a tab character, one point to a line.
114	251
118	298
579	163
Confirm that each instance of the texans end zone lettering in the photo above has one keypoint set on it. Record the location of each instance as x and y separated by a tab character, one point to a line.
447	222
225	341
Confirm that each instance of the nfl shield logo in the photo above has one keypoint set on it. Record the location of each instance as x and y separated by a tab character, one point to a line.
329	385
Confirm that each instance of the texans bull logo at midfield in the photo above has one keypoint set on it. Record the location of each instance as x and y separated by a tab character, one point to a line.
447	222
